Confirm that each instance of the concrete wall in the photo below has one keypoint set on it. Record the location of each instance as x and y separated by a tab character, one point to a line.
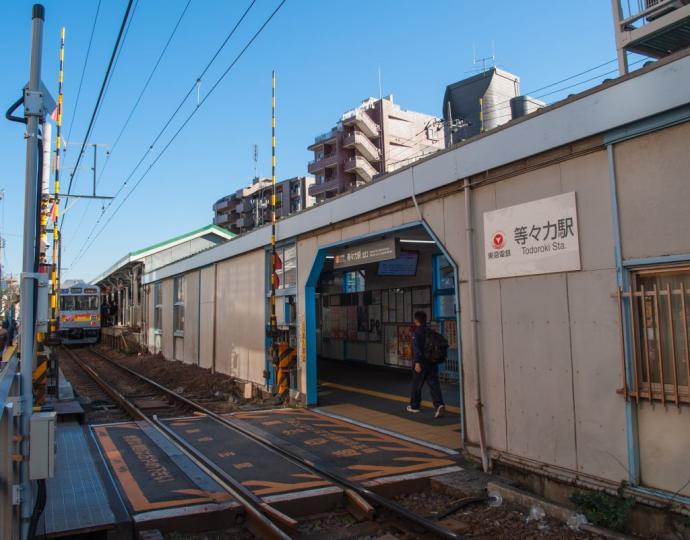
240	316
652	175
207	316
167	319
191	318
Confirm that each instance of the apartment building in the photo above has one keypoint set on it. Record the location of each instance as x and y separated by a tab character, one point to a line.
654	28
250	206
374	138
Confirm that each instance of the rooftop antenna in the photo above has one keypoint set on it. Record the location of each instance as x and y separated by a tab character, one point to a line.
255	157
476	60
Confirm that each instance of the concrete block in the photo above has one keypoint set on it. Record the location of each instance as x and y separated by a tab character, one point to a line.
248	391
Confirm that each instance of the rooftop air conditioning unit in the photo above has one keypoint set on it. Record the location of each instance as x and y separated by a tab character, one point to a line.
668	7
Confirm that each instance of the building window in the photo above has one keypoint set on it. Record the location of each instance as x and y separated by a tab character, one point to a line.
157	307
354	281
443	288
287	271
178	306
655	311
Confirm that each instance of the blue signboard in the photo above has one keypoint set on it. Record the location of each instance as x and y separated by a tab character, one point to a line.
404	265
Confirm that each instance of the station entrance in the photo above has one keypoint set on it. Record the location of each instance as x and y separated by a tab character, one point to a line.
365	297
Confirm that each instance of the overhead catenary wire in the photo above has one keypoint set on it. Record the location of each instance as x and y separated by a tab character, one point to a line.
83	71
108	71
167	123
184	124
135	106
146	85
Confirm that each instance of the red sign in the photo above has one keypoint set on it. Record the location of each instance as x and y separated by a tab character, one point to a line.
498	240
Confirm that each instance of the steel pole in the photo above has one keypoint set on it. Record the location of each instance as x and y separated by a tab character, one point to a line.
28	282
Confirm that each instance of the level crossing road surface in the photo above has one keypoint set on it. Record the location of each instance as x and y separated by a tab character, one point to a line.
161	487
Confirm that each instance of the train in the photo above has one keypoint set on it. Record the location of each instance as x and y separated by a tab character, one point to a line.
80	314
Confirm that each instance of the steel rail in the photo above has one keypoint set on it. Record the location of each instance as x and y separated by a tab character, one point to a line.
315	465
259	516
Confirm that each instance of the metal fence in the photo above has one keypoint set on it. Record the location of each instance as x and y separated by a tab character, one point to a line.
654	325
9	429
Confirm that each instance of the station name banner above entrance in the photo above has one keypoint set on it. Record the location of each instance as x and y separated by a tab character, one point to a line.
372	252
537	237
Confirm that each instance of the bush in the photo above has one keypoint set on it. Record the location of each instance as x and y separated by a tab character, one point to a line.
604	510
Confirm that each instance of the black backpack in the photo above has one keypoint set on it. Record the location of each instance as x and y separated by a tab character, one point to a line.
435	347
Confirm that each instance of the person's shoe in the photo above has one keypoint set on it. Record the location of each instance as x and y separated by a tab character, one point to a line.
440	411
411	409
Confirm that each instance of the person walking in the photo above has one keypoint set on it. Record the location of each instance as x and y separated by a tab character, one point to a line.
429	349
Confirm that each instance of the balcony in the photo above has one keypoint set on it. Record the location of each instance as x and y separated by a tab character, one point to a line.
332	184
653	28
363	121
324	138
322	163
221	219
221	205
361	167
362	143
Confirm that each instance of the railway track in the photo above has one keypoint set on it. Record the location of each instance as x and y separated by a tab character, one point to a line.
144	399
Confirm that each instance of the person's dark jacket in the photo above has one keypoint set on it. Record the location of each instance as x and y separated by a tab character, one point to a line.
418	342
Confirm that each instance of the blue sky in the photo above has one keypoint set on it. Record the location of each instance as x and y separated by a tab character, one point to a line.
327	56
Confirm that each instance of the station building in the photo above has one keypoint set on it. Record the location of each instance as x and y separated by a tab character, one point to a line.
121	285
552	252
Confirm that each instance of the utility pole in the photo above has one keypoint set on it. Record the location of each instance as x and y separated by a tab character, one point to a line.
34	112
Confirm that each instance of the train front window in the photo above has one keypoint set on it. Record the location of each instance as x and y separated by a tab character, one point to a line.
86	302
78	303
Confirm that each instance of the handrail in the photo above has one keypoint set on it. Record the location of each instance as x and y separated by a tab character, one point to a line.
7	379
645	12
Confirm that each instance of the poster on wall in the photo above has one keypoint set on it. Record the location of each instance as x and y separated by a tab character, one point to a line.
351	320
405	353
391	351
400	306
338	323
362	323
375	323
538	237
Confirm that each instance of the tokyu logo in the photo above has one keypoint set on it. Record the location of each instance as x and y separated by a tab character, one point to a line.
498	240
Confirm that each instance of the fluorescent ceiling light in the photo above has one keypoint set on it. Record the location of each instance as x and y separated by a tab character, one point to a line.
410	241
330	256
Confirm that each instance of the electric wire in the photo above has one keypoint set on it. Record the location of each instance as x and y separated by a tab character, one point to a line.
83	71
558	90
489	108
133	109
119	52
167	123
145	87
179	130
125	18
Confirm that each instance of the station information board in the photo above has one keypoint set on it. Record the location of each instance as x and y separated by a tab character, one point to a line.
538	237
371	252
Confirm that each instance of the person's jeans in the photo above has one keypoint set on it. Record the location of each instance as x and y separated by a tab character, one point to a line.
428	375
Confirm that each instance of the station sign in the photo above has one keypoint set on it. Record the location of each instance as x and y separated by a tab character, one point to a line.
371	252
537	237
